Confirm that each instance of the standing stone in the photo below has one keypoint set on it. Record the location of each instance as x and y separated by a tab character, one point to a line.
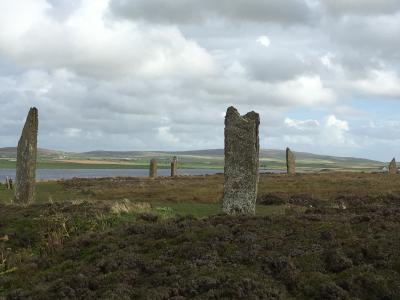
7	183
290	162
393	167
153	168
241	162
10	183
174	167
26	160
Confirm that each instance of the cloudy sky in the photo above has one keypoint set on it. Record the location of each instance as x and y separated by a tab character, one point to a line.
159	74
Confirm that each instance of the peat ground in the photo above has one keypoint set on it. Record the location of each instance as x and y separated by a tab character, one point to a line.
316	236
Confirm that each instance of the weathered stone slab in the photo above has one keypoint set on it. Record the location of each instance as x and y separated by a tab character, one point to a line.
26	160
174	167
393	167
241	162
153	168
290	162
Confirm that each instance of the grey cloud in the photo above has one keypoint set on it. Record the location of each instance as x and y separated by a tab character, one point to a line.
279	65
361	7
116	83
193	11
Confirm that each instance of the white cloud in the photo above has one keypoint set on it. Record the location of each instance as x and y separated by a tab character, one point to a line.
89	43
264	41
304	90
301	125
165	136
335	131
326	60
330	131
384	83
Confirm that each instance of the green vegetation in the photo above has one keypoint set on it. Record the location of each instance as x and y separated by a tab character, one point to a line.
50	191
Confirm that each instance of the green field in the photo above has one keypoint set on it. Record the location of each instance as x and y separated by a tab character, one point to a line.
49	164
202	159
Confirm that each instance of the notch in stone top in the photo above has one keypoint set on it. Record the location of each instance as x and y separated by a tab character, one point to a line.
241	162
290	162
232	113
393	167
26	160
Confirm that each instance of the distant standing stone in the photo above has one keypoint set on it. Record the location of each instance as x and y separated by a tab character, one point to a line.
393	167
26	160
241	162
153	168
174	167
290	162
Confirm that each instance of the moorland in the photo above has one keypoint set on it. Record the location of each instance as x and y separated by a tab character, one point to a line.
329	235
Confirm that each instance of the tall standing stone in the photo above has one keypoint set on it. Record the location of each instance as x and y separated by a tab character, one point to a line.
393	167
290	162
153	169
174	167
26	160
241	162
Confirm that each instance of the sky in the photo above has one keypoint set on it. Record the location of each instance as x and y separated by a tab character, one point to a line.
324	75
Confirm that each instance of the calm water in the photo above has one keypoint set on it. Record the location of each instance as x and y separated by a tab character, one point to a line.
53	174
48	174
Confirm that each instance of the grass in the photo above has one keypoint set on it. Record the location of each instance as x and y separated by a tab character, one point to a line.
209	189
193	190
49	191
201	210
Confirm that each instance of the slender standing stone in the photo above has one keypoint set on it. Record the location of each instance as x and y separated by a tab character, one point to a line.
174	167
393	167
26	160
241	162
153	168
290	162
7	184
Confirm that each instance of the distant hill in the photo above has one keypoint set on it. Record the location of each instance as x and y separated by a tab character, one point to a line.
11	152
269	158
264	153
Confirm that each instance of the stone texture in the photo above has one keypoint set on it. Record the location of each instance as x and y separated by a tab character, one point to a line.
290	162
174	167
393	167
10	183
241	162
153	169
26	160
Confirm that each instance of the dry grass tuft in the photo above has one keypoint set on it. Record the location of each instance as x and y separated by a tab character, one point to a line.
127	206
